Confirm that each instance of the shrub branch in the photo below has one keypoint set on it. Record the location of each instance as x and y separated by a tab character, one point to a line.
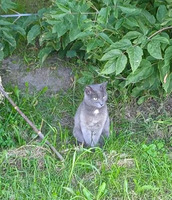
31	124
159	31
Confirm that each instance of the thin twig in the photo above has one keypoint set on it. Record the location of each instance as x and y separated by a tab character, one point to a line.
18	15
159	31
31	124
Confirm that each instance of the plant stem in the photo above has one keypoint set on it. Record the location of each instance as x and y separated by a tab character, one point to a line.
31	124
159	31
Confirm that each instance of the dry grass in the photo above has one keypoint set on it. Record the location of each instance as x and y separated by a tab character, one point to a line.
16	156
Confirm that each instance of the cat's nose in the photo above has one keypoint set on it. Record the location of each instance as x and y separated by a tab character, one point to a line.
101	104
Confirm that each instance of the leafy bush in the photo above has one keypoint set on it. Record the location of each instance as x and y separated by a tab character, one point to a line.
8	31
129	40
13	30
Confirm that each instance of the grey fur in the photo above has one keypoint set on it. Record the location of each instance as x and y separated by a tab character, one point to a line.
92	118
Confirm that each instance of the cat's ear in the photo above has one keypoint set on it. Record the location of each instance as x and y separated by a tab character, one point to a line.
88	90
103	85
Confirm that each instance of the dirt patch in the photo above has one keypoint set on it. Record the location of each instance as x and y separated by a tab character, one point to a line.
54	74
151	108
113	158
151	120
16	157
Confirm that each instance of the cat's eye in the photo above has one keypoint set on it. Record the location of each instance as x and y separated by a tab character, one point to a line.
104	97
95	98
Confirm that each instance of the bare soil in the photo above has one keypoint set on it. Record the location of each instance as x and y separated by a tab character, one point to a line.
54	74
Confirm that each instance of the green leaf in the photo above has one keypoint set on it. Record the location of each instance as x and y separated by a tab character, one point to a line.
63	42
135	56
9	38
169	89
93	44
4	28
141	40
136	91
46	36
121	44
101	190
85	34
87	194
76	45
116	12
109	67
58	15
29	20
154	81
4	23
119	23
73	33
107	2
86	79
142	26
111	54
154	49
17	92
143	72
71	54
7	5
130	22
1	55
70	190
130	11
42	11
167	80
103	15
19	29
44	53
150	83
161	39
150	18
167	21
105	37
161	13
63	8
61	28
33	33
142	100
147	188
164	70
121	63
168	55
132	35
83	7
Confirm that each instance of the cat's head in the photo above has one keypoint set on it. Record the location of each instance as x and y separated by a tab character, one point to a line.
95	95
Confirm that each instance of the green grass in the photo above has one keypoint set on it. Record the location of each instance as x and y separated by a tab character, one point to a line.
132	165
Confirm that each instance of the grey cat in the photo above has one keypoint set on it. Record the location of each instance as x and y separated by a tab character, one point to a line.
91	120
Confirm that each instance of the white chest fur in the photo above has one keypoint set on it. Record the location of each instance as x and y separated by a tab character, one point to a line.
96	112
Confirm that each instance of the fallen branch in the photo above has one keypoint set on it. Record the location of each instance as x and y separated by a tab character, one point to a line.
31	124
1	95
